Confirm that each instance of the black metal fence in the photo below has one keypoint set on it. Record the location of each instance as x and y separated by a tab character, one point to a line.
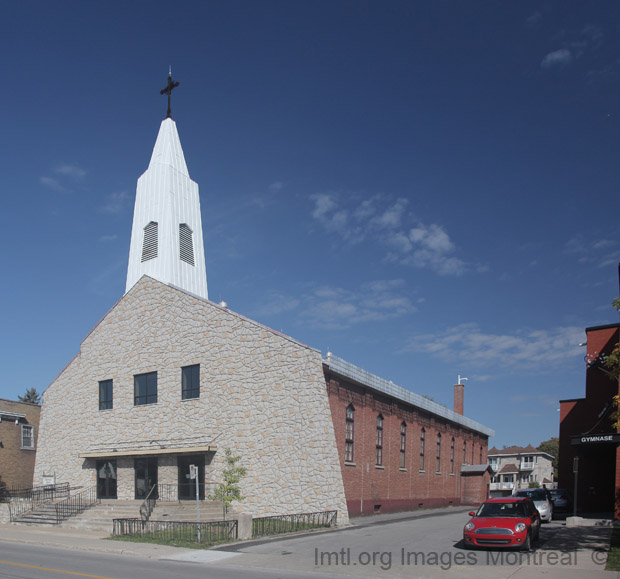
168	531
278	524
24	499
76	504
39	493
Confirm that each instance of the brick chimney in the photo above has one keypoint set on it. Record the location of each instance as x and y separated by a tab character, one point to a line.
459	398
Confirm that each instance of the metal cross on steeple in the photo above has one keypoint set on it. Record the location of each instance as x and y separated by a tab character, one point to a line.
168	90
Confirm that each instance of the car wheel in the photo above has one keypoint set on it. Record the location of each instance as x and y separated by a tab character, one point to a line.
527	544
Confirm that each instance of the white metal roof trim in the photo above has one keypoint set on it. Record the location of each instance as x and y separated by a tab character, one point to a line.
359	375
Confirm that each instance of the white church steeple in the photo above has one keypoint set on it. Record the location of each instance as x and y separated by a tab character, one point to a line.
166	236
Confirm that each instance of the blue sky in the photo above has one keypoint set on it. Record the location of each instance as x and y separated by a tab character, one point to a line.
424	188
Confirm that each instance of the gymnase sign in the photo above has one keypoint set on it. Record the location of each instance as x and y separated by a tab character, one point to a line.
586	439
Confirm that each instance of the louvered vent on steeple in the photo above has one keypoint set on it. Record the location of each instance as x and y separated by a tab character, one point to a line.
149	245
186	244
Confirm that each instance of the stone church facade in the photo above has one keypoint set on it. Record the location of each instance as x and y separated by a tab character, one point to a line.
260	393
168	381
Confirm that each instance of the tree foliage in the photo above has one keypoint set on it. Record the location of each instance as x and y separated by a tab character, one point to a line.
612	363
229	490
31	396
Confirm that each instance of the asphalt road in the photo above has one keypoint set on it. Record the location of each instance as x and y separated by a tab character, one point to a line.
428	547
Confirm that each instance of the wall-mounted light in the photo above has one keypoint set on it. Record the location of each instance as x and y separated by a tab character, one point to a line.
16	421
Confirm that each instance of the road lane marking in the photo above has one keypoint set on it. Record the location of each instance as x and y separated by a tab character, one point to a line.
53	570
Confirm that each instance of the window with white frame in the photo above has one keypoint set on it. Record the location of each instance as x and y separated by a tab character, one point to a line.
27	437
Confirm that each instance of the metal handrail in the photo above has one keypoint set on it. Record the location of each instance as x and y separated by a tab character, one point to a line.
23	500
146	508
76	504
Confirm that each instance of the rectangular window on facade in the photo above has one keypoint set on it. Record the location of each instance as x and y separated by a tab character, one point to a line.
350	431
27	437
379	456
422	449
145	388
438	465
190	382
464	452
105	395
403	444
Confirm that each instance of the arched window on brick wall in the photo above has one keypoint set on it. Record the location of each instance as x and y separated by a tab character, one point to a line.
422	447
464	452
379	459
350	433
403	444
452	456
438	465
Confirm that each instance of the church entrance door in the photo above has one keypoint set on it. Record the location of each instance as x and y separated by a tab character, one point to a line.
106	479
146	477
187	486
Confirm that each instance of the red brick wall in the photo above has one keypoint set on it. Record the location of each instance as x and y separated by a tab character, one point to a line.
599	465
17	464
389	488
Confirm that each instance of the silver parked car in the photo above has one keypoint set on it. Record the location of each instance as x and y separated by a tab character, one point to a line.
542	501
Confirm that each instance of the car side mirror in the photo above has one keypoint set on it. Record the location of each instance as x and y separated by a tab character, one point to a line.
472	513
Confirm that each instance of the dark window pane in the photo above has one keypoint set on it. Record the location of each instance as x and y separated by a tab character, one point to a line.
145	388
190	382
105	395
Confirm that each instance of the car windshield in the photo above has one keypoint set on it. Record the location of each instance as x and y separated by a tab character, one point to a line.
534	494
557	493
501	510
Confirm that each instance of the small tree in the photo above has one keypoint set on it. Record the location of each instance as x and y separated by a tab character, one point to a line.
229	490
534	484
31	396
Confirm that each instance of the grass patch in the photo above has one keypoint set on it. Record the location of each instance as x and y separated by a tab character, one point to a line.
158	538
613	559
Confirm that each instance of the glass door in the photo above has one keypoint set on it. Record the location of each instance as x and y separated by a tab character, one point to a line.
106	479
145	470
187	486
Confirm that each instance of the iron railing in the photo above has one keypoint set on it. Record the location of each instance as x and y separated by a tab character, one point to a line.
207	532
39	493
76	504
146	508
275	525
25	499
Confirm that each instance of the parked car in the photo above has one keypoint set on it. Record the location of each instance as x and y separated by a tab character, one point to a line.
542	500
506	522
560	499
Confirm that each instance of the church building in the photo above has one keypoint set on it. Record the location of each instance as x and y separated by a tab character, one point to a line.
169	380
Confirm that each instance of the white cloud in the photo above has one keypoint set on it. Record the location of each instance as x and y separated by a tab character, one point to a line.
558	58
64	171
601	252
72	171
276	186
52	184
387	222
525	348
115	202
329	307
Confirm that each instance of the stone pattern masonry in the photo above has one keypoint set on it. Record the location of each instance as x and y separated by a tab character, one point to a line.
262	394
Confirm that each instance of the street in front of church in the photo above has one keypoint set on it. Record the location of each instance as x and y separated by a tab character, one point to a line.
422	545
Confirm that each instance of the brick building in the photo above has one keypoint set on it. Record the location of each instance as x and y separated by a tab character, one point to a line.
587	431
19	430
399	450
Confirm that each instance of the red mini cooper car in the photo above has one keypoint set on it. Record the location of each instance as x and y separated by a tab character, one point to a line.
508	522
